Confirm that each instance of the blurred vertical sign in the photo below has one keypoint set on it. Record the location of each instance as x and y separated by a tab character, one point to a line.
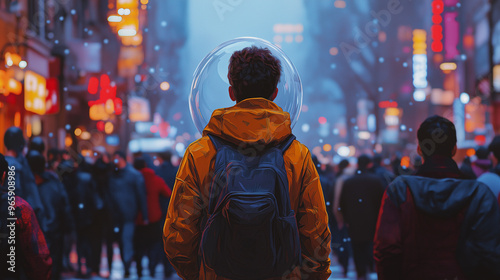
52	100
138	109
35	93
419	59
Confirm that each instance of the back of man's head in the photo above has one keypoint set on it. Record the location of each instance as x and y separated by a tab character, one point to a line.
437	136
494	147
253	72
482	153
37	144
139	163
364	162
14	139
36	162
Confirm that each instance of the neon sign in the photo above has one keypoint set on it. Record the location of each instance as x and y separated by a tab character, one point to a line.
419	59
437	28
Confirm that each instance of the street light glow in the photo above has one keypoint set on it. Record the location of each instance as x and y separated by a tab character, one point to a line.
126	32
114	18
448	66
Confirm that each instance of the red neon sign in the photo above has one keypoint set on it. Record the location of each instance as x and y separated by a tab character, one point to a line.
388	104
437	29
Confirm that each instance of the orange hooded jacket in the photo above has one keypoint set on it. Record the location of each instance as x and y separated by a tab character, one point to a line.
251	121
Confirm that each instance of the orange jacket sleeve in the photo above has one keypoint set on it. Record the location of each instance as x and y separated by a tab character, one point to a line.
181	232
312	221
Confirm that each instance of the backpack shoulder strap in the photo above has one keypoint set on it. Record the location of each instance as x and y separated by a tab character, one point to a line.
218	142
286	144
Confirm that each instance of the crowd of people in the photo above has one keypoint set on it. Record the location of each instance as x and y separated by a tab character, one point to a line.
87	202
248	201
355	195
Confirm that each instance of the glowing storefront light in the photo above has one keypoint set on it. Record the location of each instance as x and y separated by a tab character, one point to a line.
448	66
114	18
126	32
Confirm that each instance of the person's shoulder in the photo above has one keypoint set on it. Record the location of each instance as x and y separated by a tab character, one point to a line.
298	149
12	161
201	145
23	205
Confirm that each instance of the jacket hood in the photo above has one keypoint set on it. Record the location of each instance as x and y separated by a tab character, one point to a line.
251	121
440	197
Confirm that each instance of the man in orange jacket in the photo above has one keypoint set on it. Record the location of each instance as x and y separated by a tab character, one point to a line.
253	74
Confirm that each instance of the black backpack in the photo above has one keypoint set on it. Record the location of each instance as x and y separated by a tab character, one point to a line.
251	231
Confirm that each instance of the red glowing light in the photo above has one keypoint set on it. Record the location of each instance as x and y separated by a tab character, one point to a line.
118	106
100	126
437	7
93	85
388	104
437	46
437	19
105	81
437	29
322	120
480	139
153	129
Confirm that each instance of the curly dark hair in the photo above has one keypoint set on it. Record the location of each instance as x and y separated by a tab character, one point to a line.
253	72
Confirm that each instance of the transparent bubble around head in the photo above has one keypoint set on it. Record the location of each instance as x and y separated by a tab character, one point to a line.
209	89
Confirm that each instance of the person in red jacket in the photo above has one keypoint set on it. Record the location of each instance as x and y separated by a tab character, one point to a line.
23	250
147	239
436	225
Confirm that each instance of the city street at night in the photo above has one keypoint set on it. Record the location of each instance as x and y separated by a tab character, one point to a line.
238	139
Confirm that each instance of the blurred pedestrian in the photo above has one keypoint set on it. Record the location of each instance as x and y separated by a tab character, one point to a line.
466	169
147	239
127	195
53	159
24	180
37	144
482	164
59	220
385	175
31	257
492	178
82	198
359	203
433	225
101	171
341	246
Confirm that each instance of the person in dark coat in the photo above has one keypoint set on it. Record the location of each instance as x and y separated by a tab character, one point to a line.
37	144
482	164
57	209
101	171
127	195
466	169
82	198
147	239
492	178
25	181
359	203
435	225
32	259
385	175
